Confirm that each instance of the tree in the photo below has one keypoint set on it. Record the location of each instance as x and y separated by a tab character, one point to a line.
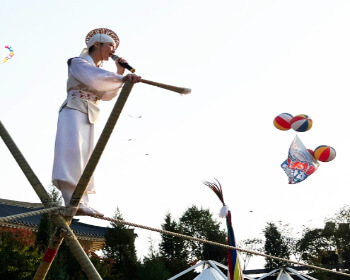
199	223
340	234
318	250
253	244
46	228
171	247
120	247
154	266
65	266
103	265
18	257
275	246
329	246
172	250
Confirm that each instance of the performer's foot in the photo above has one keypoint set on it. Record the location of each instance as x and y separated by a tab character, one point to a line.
97	213
84	210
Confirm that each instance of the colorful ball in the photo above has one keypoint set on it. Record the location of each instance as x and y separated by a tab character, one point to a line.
301	123
282	121
324	153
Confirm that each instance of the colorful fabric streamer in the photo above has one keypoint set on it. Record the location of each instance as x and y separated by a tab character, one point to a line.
300	164
9	56
234	268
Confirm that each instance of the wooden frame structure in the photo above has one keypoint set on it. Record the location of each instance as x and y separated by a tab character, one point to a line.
62	219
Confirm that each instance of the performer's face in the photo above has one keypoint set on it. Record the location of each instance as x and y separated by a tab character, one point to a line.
107	50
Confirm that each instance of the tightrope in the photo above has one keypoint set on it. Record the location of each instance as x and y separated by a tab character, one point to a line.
47	210
32	213
218	244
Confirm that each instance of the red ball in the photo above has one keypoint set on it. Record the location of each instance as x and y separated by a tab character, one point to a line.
282	121
324	153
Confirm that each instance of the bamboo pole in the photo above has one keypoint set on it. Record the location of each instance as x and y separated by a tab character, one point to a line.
75	247
63	231
49	256
27	170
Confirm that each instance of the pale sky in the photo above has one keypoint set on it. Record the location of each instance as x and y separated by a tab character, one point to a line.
245	61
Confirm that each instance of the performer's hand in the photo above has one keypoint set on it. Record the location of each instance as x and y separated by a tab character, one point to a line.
120	69
132	78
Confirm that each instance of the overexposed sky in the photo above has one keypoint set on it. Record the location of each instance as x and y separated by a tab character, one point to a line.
245	61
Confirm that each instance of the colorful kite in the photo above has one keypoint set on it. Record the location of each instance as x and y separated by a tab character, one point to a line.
9	56
234	268
300	163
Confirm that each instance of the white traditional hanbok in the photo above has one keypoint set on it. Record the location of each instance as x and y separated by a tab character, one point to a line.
86	86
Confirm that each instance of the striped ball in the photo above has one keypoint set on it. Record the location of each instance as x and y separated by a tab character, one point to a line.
324	153
282	121
301	123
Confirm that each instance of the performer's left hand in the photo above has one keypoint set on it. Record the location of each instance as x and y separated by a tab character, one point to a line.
120	69
132	78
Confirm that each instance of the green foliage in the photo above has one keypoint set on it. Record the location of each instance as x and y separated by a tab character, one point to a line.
120	247
18	257
45	231
46	228
172	247
314	245
103	265
199	223
251	244
154	268
65	266
275	245
177	253
329	246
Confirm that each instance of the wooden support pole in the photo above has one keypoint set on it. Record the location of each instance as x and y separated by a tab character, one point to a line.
27	170
50	254
75	247
63	231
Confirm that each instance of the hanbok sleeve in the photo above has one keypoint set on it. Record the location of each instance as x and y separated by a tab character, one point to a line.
94	77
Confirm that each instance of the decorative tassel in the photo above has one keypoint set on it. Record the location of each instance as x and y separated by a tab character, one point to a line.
234	268
216	188
223	211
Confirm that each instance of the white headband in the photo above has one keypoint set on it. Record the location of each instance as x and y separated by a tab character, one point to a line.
101	38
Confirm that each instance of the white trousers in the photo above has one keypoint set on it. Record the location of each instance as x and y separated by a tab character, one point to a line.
73	148
67	191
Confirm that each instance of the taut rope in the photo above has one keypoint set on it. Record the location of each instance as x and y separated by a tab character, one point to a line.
28	214
218	244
